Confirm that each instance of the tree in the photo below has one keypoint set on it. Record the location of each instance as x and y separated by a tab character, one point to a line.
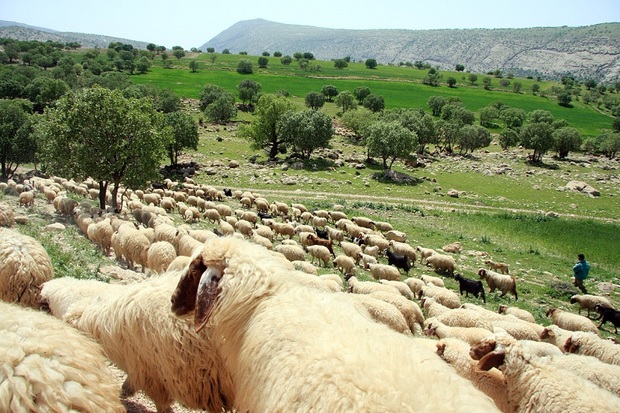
286	60
616	125
222	110
566	139
262	62
225	51
249	91
375	103
329	91
178	53
389	141
210	50
472	78
17	145
244	67
151	47
43	91
361	92
266	54
610	145
472	137
507	138
264	131
565	98
436	103
433	77
308	56
487	115
167	101
277	54
184	133
541	116
513	117
99	133
590	83
307	131
340	64
209	94
346	101
193	65
486	81
451	81
460	68
371	63
458	115
298	55
537	136
315	100
143	65
517	86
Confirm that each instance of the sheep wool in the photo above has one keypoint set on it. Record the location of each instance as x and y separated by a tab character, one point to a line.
7	217
48	366
24	266
259	320
570	321
588	301
590	344
161	354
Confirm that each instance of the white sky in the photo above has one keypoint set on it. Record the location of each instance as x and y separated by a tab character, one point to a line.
191	23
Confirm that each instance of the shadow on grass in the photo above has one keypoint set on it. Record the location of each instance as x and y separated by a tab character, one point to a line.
395	178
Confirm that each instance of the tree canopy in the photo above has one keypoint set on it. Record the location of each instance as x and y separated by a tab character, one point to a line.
307	131
389	140
184	134
17	145
314	100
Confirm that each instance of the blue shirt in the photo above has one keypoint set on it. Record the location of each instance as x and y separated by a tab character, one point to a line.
581	270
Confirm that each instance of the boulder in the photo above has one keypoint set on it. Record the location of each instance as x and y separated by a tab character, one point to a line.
582	187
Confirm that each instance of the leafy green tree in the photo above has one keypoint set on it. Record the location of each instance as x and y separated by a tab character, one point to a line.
99	133
513	117
298	55
371	63
209	94
225	51
249	91
151	47
472	137
262	62
541	116
264	131
460	68
17	145
565	98
433	77
448	134
193	65
537	136
184	133
178	53
361	92
451	81
389	141
266	54
307	131
167	101
143	64
244	67
43	91
616	125
160	49
486	82
565	140
340	64
358	120
308	56
458	115
329	91
222	110
303	64
517	86
346	101
473	78
436	104
487	115
314	100
610	145
212	57
374	103
277	54
590	84
286	60
507	138
210	50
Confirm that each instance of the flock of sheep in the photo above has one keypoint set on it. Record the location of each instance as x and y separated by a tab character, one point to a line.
237	317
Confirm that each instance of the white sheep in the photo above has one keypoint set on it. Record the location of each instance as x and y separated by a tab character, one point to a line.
212	215
496	281
351	250
159	256
589	344
424	252
454	247
571	322
244	227
367	259
429	279
101	234
251	309
179	263
345	264
306	267
281	228
135	247
378	241
456	353
555	335
335	234
442	295
517	312
403	288
535	385
24	266
26	198
48	366
7	217
604	375
432	308
396	236
334	277
470	335
415	285
588	301
320	252
441	263
383	226
226	228
384	272
497	266
410	310
364	222
367	287
260	240
291	252
161	354
383	312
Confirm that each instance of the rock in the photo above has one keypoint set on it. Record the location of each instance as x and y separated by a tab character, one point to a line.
453	193
298	166
552	214
233	164
285	166
211	171
583	187
22	219
57	226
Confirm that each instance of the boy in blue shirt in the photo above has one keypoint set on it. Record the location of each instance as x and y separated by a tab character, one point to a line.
581	271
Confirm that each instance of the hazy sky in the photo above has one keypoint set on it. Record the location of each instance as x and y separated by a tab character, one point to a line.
191	23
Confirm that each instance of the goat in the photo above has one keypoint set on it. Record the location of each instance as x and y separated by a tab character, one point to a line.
608	314
398	260
470	286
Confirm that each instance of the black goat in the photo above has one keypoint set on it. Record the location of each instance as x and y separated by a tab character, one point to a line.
321	233
264	215
398	260
608	314
228	192
470	286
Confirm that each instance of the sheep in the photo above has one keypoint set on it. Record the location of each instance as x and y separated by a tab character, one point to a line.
441	263
402	288
366	259
461	317
363	222
320	252
291	252
443	296
410	310
101	234
161	354
588	301
281	228
351	250
7	217
497	266
404	249
429	279
179	263
376	240
260	240
383	312
470	335
134	246
367	287
335	234
398	260
226	228
608	314
571	322
456	353
424	252
212	215
371	250
536	385
224	210
26	198
159	256
504	283
327	243
49	366
247	304
306	267
432	308
319	221
396	236
334	277
415	285
589	344
244	227
517	312
345	264
24	266
606	376
555	335
453	248
470	286
384	272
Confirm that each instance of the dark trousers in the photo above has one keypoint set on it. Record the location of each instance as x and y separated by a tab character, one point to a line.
579	284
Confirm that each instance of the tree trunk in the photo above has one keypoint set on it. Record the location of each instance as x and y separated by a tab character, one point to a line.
274	150
103	189
117	184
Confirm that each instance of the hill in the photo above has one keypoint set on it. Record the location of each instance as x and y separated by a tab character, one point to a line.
585	52
20	31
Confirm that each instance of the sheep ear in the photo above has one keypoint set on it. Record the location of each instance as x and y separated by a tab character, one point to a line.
208	291
441	348
493	359
184	296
